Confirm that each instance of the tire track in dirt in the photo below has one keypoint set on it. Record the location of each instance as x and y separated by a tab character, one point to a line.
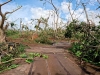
62	66
56	64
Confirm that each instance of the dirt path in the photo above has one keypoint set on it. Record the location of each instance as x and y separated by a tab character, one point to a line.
56	64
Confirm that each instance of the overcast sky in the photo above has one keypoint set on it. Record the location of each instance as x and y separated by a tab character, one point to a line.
33	9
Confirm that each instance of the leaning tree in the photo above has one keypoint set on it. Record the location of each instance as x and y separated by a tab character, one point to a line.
2	20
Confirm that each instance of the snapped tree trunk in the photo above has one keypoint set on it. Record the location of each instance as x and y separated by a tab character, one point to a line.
2	36
2	20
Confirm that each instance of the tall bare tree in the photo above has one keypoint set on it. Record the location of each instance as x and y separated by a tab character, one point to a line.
55	15
3	18
99	4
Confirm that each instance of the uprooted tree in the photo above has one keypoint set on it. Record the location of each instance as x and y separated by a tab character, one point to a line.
2	20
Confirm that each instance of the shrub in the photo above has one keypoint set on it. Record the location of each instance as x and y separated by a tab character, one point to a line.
7	58
43	38
12	33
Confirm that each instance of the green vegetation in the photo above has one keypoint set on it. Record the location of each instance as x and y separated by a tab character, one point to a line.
45	56
87	47
23	55
5	67
7	59
43	38
12	33
30	56
8	56
29	60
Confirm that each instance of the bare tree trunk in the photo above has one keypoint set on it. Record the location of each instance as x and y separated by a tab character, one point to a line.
3	18
20	26
2	36
0	59
86	13
70	12
56	14
88	23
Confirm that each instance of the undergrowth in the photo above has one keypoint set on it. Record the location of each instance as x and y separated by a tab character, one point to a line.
87	48
18	53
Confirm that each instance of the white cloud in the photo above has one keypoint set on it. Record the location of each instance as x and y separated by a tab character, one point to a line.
23	13
78	13
64	7
91	2
39	12
27	12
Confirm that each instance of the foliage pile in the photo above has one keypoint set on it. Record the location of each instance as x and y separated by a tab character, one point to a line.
88	46
8	52
47	36
43	38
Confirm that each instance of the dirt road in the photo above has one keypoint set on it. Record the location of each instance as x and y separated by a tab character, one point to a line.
56	64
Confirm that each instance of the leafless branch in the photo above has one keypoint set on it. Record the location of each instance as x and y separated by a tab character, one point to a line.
85	13
70	10
97	8
5	2
50	1
75	9
80	14
4	16
13	60
98	1
12	11
1	12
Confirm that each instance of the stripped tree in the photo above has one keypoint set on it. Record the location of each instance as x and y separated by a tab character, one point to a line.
2	20
55	14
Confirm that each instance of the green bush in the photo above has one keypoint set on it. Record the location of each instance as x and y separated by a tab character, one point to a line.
12	32
88	46
5	67
23	55
7	59
91	55
21	48
29	60
43	38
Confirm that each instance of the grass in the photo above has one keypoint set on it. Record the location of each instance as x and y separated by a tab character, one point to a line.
12	34
7	60
9	68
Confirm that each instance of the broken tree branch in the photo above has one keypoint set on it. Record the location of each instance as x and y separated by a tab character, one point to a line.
98	1
86	13
4	16
14	60
55	9
5	2
12	11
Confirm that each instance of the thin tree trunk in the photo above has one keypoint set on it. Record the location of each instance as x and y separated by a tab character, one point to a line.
2	36
3	18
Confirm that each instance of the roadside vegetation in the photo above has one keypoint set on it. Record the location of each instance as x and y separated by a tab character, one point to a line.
86	36
87	46
12	53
